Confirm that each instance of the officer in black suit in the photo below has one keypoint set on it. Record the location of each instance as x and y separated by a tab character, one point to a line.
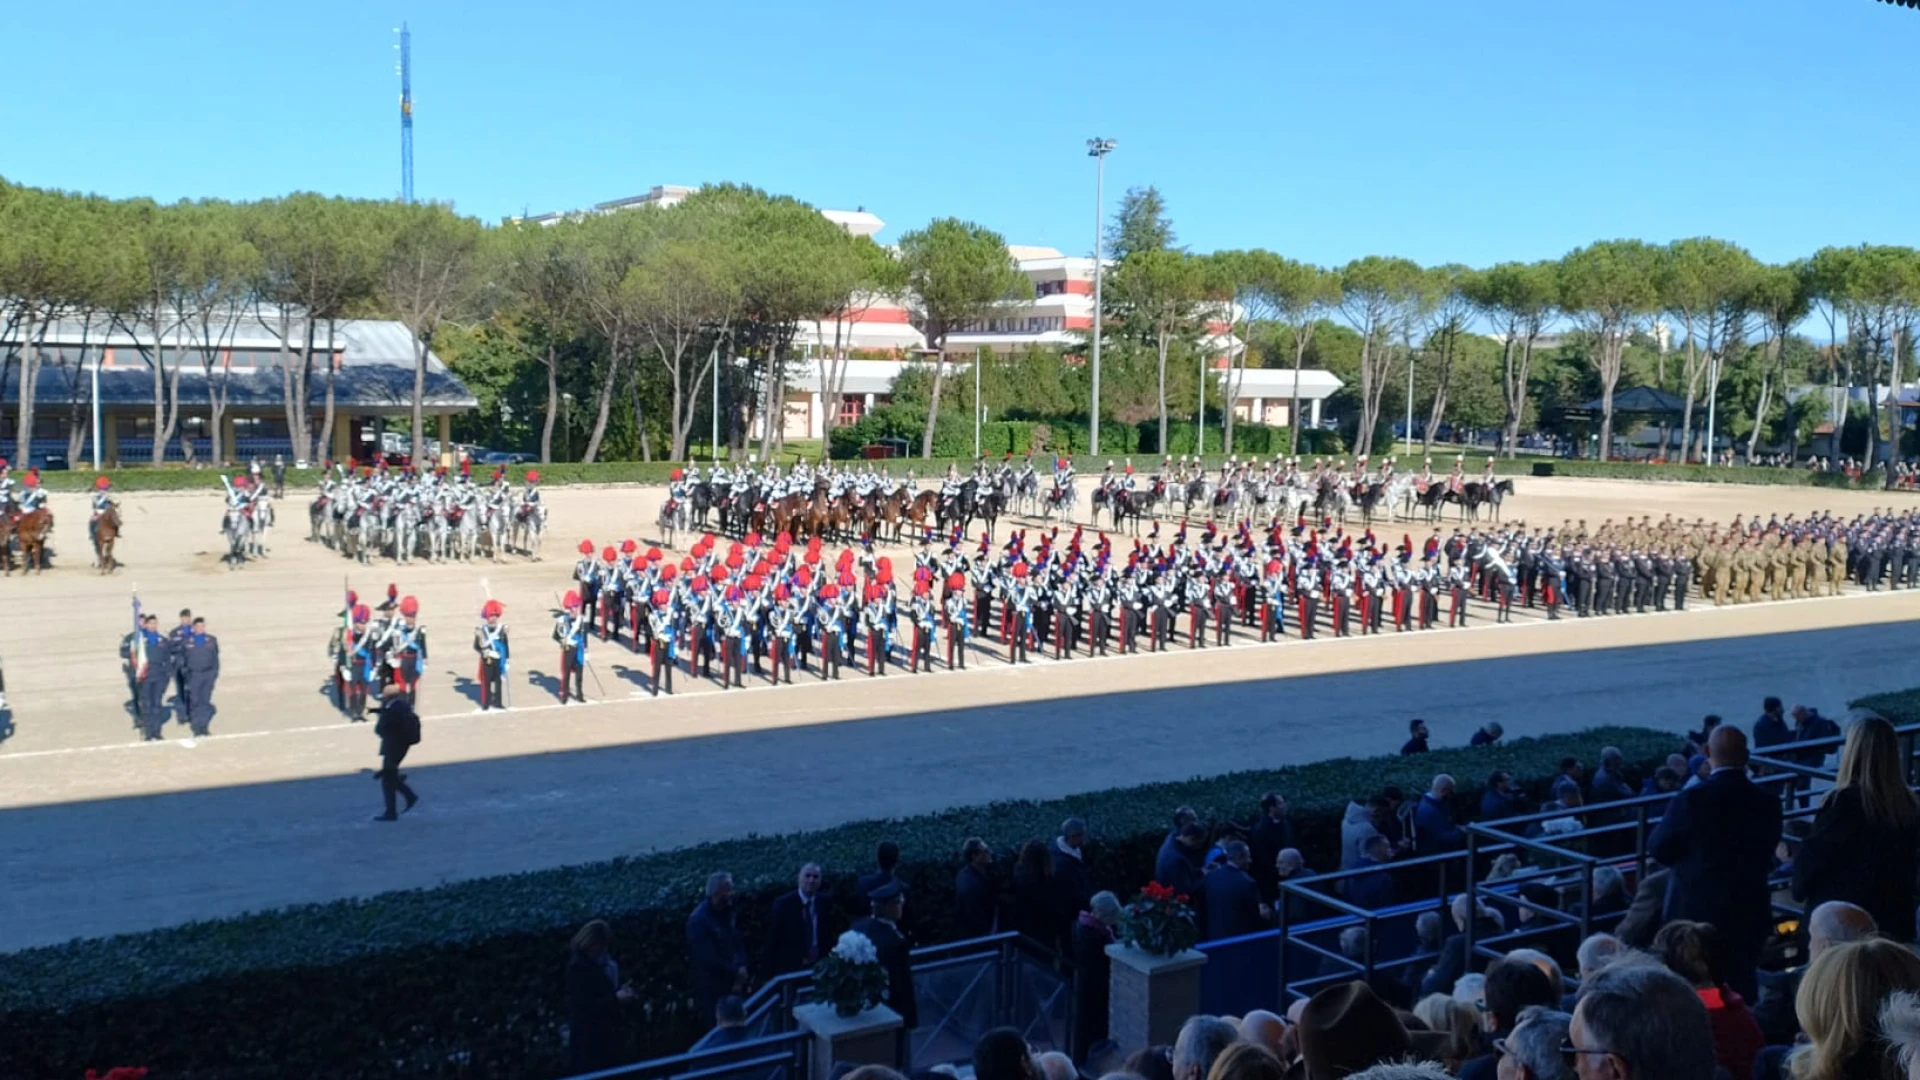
886	856
883	929
399	731
799	927
1230	899
1718	838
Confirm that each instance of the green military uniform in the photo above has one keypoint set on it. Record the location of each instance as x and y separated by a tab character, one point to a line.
1776	570
1796	570
1836	566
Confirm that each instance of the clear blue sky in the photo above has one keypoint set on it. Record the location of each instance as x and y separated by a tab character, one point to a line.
1473	131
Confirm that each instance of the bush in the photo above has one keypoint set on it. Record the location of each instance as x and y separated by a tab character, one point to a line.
464	980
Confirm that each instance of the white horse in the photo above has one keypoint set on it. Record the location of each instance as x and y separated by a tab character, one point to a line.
237	531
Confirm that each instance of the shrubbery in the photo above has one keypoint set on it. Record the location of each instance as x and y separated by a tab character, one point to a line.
465	980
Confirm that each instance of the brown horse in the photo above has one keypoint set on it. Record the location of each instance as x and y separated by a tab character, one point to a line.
921	508
32	530
105	532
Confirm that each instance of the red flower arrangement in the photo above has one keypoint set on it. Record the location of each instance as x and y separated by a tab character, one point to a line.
1159	921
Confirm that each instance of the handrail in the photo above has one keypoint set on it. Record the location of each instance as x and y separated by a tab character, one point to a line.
789	1043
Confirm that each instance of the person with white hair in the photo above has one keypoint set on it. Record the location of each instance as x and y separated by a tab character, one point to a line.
1201	1041
1093	931
1466	910
1900	1026
1054	1065
1532	1050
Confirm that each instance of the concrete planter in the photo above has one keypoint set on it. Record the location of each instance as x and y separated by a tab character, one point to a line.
1150	996
869	1038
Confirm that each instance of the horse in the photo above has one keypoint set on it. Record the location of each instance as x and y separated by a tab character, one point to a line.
1131	504
1333	500
958	508
1432	500
672	520
702	498
317	517
236	527
262	520
1474	494
922	506
991	505
106	530
32	531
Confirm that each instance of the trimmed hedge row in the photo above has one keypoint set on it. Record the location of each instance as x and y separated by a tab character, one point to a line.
464	980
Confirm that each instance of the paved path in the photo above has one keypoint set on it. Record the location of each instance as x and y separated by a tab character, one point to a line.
113	837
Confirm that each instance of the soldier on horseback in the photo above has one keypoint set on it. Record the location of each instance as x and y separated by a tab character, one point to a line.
33	496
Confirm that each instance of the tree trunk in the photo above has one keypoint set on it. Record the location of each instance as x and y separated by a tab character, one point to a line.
157	446
1609	378
1686	410
640	419
1893	411
1161	344
29	377
300	421
552	363
1302	336
418	413
324	437
776	401
605	403
173	416
933	398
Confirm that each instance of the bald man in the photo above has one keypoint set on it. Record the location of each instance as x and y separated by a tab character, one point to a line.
1263	1028
1718	839
1835	922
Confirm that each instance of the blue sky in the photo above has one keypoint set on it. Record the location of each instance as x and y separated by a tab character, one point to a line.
1473	132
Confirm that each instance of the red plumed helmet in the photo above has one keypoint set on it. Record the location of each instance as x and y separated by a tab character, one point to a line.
829	591
1273	566
698	584
628	547
586	547
813	558
410	606
679	474
100	483
654	555
571	600
393	591
686	566
957	581
533	477
666	572
1020	570
846	558
352	598
736	559
660	597
492	608
785	539
360	613
846	578
718	573
804	576
753	583
607	553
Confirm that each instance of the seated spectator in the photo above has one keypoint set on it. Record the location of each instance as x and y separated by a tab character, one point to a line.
1596	952
1502	798
1471	989
1512	985
1533	1050
1054	1065
1507	865
1900	1026
1569	777
1870	809
1001	1054
1609	892
1429	932
1566	798
1230	898
1665	780
1832	923
1403	1070
1452	962
1556	975
1434	830
1262	1028
1839	1005
1638	1021
1687	949
1153	1063
1375	889
729	1023
1489	733
1416	738
1456	1024
1346	1028
1246	1061
1201	1042
1610	780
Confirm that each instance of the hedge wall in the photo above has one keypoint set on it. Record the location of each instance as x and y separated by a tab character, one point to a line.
464	980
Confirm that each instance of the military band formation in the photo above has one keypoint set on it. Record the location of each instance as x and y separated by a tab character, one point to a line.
763	608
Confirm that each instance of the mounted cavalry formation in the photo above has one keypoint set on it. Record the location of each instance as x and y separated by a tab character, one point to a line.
408	515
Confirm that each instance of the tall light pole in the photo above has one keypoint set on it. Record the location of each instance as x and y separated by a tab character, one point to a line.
1097	149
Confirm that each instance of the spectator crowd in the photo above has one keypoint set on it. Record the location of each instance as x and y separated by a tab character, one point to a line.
1686	972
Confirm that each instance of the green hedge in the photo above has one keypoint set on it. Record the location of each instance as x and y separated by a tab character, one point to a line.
465	980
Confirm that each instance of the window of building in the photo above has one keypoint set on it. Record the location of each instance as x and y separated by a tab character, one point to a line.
852	407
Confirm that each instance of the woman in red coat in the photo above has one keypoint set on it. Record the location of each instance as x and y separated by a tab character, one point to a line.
1685	948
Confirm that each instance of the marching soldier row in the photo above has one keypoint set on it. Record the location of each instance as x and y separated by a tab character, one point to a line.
771	608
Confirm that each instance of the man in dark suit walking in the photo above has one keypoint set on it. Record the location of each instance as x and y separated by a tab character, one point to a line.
798	928
1718	839
399	730
890	944
1231	903
716	954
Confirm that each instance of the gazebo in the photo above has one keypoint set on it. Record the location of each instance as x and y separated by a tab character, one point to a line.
1645	402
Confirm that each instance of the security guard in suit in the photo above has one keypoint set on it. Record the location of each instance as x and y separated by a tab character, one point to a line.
890	943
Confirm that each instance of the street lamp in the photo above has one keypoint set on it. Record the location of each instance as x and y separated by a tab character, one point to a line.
1097	149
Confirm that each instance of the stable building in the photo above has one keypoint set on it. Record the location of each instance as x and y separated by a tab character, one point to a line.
370	361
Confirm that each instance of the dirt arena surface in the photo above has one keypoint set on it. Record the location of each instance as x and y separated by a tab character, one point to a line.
101	833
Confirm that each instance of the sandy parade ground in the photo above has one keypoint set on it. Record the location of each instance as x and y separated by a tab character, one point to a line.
101	832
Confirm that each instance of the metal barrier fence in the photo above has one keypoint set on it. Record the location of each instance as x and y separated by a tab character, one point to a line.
963	989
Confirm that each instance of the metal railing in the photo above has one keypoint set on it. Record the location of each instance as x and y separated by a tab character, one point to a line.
963	990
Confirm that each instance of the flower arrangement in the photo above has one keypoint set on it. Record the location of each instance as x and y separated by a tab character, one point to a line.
1159	921
850	977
